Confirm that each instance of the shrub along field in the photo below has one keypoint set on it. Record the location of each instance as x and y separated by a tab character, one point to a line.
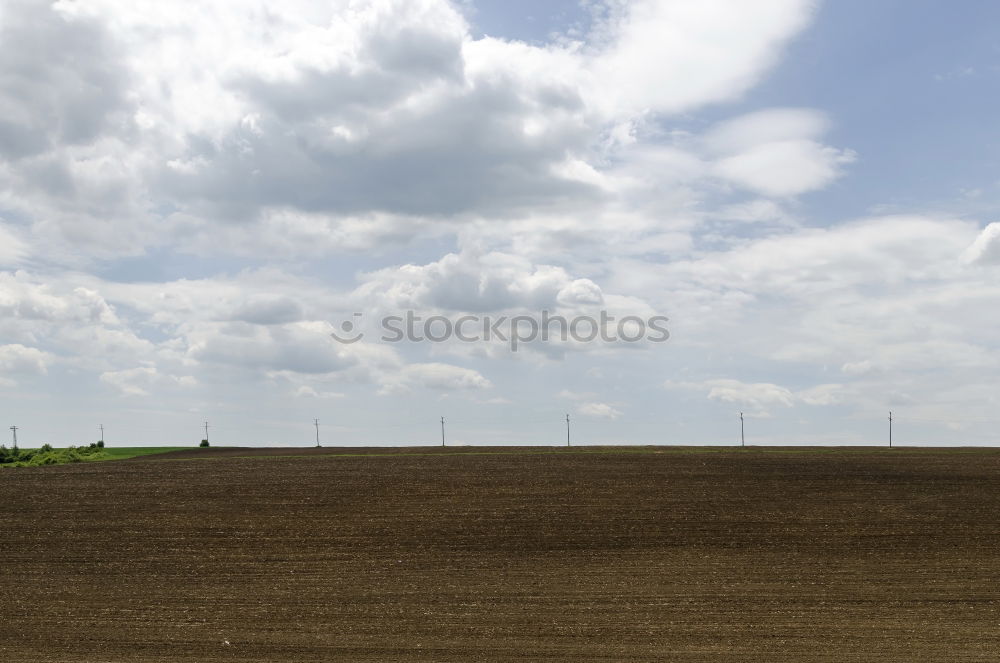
493	555
48	455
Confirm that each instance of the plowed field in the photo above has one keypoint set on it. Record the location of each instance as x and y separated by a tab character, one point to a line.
417	555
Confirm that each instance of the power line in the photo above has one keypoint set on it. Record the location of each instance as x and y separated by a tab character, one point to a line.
487	429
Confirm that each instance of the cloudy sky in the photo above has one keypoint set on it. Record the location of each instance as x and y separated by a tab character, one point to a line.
194	195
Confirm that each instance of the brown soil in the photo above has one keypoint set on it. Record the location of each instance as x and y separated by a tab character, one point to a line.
419	555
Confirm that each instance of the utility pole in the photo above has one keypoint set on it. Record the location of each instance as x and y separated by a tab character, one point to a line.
890	428
442	431
743	439
14	428
317	431
206	431
102	433
567	429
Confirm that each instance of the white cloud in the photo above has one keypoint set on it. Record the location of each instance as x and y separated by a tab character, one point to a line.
268	310
785	168
273	170
822	394
756	211
675	55
239	129
858	367
761	397
477	281
757	395
499	400
24	297
306	391
299	348
12	249
434	376
775	152
598	411
75	322
985	250
576	395
17	358
808	261
142	380
772	125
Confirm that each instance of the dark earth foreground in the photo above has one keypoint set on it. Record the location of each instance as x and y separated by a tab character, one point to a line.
675	555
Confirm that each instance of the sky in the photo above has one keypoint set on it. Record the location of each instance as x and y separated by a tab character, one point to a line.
194	196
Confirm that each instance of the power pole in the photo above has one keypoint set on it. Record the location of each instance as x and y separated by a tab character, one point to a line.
442	431
317	431
206	431
890	428
102	433
14	428
743	439
567	429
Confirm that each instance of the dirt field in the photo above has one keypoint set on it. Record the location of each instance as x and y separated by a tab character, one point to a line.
678	556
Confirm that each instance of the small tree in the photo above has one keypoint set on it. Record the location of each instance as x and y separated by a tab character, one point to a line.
204	443
100	444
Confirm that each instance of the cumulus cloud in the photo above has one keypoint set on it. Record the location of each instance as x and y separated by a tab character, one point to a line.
822	394
985	250
761	397
16	358
755	211
271	171
775	152
24	298
60	82
306	391
434	376
477	281
858	367
709	51
12	249
299	348
758	395
807	261
785	168
141	380
268	310
339	126
75	322
598	411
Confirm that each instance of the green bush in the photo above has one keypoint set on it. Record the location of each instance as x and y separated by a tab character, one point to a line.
46	455
100	444
204	443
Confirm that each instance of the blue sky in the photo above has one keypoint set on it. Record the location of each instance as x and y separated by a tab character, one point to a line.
912	86
192	197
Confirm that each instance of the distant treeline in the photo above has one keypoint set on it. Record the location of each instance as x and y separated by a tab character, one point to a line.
47	455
